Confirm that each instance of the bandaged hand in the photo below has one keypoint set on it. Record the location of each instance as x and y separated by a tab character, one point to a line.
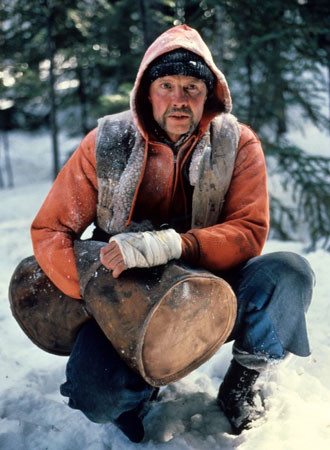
144	249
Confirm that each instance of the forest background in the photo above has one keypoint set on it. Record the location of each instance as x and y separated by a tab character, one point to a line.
64	63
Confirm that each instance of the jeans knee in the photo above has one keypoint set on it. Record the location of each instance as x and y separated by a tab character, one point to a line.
296	275
98	407
300	268
287	273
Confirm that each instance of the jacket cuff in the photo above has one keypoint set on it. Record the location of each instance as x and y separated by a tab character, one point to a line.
190	248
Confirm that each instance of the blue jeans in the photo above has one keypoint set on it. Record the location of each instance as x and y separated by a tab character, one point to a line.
273	291
98	382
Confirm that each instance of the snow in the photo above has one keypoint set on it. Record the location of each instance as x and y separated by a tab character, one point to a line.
34	416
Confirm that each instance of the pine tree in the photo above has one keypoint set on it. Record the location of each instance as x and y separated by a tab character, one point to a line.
274	54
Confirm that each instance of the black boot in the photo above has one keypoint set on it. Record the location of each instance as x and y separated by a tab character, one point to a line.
237	398
131	425
130	422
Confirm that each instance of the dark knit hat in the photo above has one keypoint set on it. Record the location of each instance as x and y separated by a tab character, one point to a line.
180	62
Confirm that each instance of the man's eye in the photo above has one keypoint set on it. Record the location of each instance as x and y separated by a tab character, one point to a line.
165	86
192	87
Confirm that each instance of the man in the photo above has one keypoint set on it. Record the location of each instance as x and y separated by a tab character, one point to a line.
149	180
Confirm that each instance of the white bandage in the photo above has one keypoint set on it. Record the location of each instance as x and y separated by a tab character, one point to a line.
149	248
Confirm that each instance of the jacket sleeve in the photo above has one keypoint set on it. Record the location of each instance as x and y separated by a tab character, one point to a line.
68	210
244	221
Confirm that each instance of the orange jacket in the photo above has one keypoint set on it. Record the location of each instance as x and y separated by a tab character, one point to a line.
70	206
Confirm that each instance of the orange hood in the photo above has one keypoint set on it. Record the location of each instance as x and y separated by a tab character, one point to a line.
185	37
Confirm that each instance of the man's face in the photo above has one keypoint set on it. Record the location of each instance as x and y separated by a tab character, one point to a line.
177	103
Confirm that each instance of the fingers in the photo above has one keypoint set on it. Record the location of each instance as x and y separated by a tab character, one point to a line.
109	249
112	258
118	269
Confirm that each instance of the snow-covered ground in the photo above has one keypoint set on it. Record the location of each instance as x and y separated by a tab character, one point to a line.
34	416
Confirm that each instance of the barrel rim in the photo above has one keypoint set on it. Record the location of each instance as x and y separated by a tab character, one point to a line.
231	315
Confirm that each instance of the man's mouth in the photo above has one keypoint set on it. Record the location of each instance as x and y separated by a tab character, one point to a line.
179	115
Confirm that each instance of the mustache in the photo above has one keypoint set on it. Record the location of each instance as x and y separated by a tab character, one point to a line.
183	109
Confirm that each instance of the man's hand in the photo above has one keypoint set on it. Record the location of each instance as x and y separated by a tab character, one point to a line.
144	249
112	258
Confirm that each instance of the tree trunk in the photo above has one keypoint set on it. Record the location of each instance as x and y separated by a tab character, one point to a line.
145	24
53	122
179	12
329	87
8	167
83	100
4	142
251	108
2	183
281	118
219	39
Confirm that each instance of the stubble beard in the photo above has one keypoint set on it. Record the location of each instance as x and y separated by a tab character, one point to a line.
185	110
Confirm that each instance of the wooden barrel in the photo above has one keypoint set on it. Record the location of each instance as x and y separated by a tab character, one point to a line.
164	322
48	317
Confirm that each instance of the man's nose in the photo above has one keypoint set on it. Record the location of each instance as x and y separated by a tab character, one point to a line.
179	96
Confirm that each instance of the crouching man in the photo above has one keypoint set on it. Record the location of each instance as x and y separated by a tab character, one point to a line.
175	178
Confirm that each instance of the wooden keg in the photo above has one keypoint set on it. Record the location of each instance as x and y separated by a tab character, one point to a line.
164	322
48	317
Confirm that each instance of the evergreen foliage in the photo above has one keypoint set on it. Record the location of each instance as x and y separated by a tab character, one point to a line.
307	180
275	55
